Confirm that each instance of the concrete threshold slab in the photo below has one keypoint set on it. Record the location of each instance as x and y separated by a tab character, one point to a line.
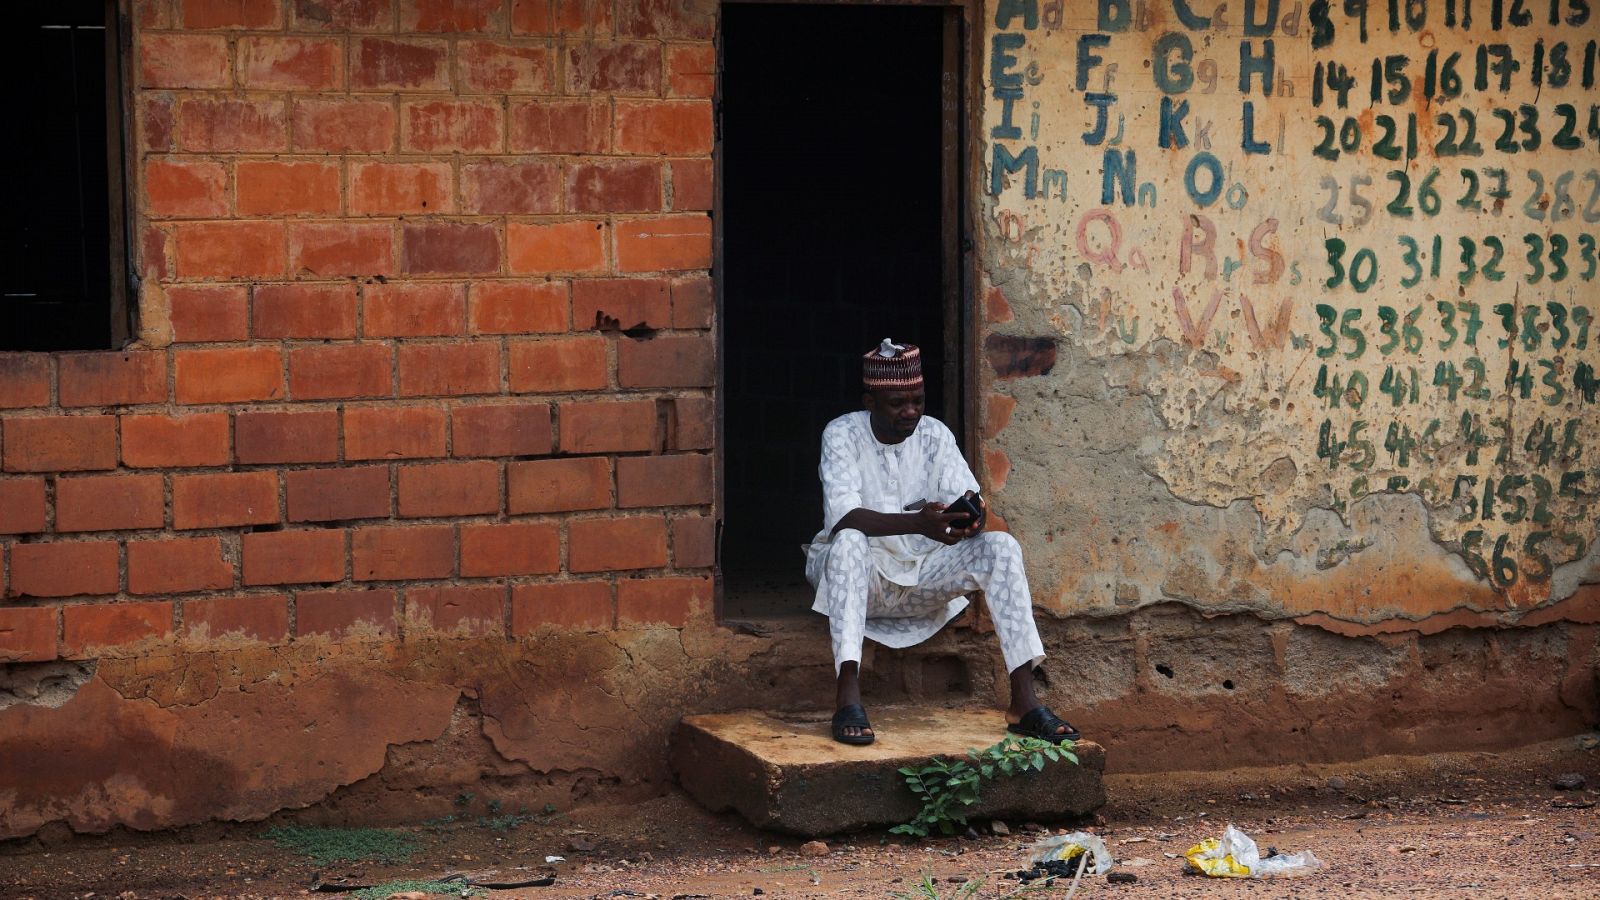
786	773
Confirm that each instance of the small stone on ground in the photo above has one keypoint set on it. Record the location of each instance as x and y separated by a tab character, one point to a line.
813	849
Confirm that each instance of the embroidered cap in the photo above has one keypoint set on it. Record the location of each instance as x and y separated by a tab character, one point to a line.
892	367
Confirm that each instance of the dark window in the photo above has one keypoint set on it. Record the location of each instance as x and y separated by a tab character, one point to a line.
63	279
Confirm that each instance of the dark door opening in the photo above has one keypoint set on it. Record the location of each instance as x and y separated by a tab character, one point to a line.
839	141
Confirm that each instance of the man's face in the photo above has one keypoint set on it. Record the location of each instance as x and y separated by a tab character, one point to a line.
896	412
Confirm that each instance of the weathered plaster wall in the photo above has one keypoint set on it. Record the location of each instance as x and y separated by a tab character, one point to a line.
1302	345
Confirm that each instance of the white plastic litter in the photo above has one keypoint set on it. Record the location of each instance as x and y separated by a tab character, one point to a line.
1066	846
1236	856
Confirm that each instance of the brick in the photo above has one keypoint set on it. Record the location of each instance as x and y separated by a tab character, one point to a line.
666	19
632	67
257	14
24	380
64	569
334	495
291	63
558	126
22	504
692	423
449	489
399	64
610	545
513	187
413	310
109	503
232	125
272	188
621	303
185	188
341	15
293	557
256	617
209	312
178	565
694	542
583	17
151	14
400	188
691	70
494	67
517	307
112	378
448	248
693	303
230	249
344	126
513	548
666	127
670	361
673	602
286	437
399	552
558	485
449	370
532	17
692	185
564	247
451	126
155	253
626	185
680	479
474	611
59	443
162	441
156	121
89	628
339	372
221	499
658	245
304	311
28	634
393	432
557	366
228	375
184	61
496	429
345	614
452	15
564	606
608	426
341	248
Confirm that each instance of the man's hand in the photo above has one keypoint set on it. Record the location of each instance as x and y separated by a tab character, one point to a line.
978	521
934	523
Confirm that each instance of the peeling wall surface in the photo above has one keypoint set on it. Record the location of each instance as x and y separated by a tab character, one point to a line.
1321	282
1287	379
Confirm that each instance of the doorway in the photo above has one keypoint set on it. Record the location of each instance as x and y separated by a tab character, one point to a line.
839	153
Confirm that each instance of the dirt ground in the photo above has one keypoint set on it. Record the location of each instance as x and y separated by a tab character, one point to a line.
1452	825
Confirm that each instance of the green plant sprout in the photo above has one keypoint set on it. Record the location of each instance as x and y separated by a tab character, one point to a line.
947	789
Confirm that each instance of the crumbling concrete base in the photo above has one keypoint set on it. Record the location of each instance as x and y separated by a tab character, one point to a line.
787	774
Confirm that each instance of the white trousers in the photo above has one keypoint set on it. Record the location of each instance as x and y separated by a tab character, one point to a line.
854	592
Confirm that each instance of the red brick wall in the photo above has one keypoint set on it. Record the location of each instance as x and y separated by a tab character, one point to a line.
388	248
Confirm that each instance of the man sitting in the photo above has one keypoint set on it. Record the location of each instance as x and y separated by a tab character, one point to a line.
891	563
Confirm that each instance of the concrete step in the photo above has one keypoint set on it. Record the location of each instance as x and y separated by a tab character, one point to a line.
785	772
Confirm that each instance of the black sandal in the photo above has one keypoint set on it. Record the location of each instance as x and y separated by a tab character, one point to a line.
852	716
1041	723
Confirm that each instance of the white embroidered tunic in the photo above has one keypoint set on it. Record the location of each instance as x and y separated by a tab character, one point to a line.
860	472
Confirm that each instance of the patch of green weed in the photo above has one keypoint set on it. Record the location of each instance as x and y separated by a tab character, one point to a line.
326	845
445	888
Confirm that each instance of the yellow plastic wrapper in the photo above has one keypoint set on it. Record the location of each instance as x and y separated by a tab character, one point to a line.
1236	856
1205	857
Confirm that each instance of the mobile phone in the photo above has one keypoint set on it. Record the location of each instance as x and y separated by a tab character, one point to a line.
969	506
